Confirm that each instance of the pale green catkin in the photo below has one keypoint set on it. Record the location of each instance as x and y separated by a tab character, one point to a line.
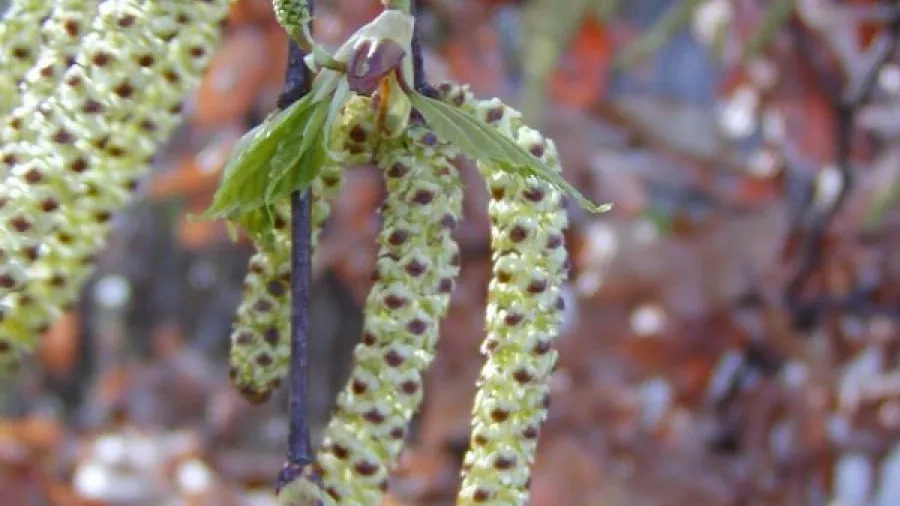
524	313
20	42
416	270
92	142
260	339
292	15
60	37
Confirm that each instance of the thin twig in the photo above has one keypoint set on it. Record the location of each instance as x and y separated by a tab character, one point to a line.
299	451
846	103
419	82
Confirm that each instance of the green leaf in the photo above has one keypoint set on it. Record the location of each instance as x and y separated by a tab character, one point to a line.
479	141
293	147
259	222
303	172
245	178
296	173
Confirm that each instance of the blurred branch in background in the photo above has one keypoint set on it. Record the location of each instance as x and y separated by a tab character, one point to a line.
678	15
846	102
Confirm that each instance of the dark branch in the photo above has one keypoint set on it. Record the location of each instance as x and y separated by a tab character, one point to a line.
299	451
419	82
296	79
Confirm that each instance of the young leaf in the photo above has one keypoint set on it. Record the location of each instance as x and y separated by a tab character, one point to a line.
304	171
479	141
245	177
293	146
259	221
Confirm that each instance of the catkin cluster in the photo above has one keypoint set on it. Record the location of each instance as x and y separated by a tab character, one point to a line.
524	313
87	147
415	274
20	42
260	338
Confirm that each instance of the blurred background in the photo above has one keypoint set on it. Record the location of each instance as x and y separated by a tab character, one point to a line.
733	332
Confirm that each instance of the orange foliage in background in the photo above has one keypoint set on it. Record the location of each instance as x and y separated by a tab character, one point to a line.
581	79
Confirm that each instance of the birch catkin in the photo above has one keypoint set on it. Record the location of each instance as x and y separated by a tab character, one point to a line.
93	140
61	35
260	339
523	316
415	274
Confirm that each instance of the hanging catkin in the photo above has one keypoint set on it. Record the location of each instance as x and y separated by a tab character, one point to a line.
61	35
524	313
416	269
93	141
260	338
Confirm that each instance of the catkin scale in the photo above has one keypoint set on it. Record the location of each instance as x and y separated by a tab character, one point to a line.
523	315
90	143
414	276
60	36
260	338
